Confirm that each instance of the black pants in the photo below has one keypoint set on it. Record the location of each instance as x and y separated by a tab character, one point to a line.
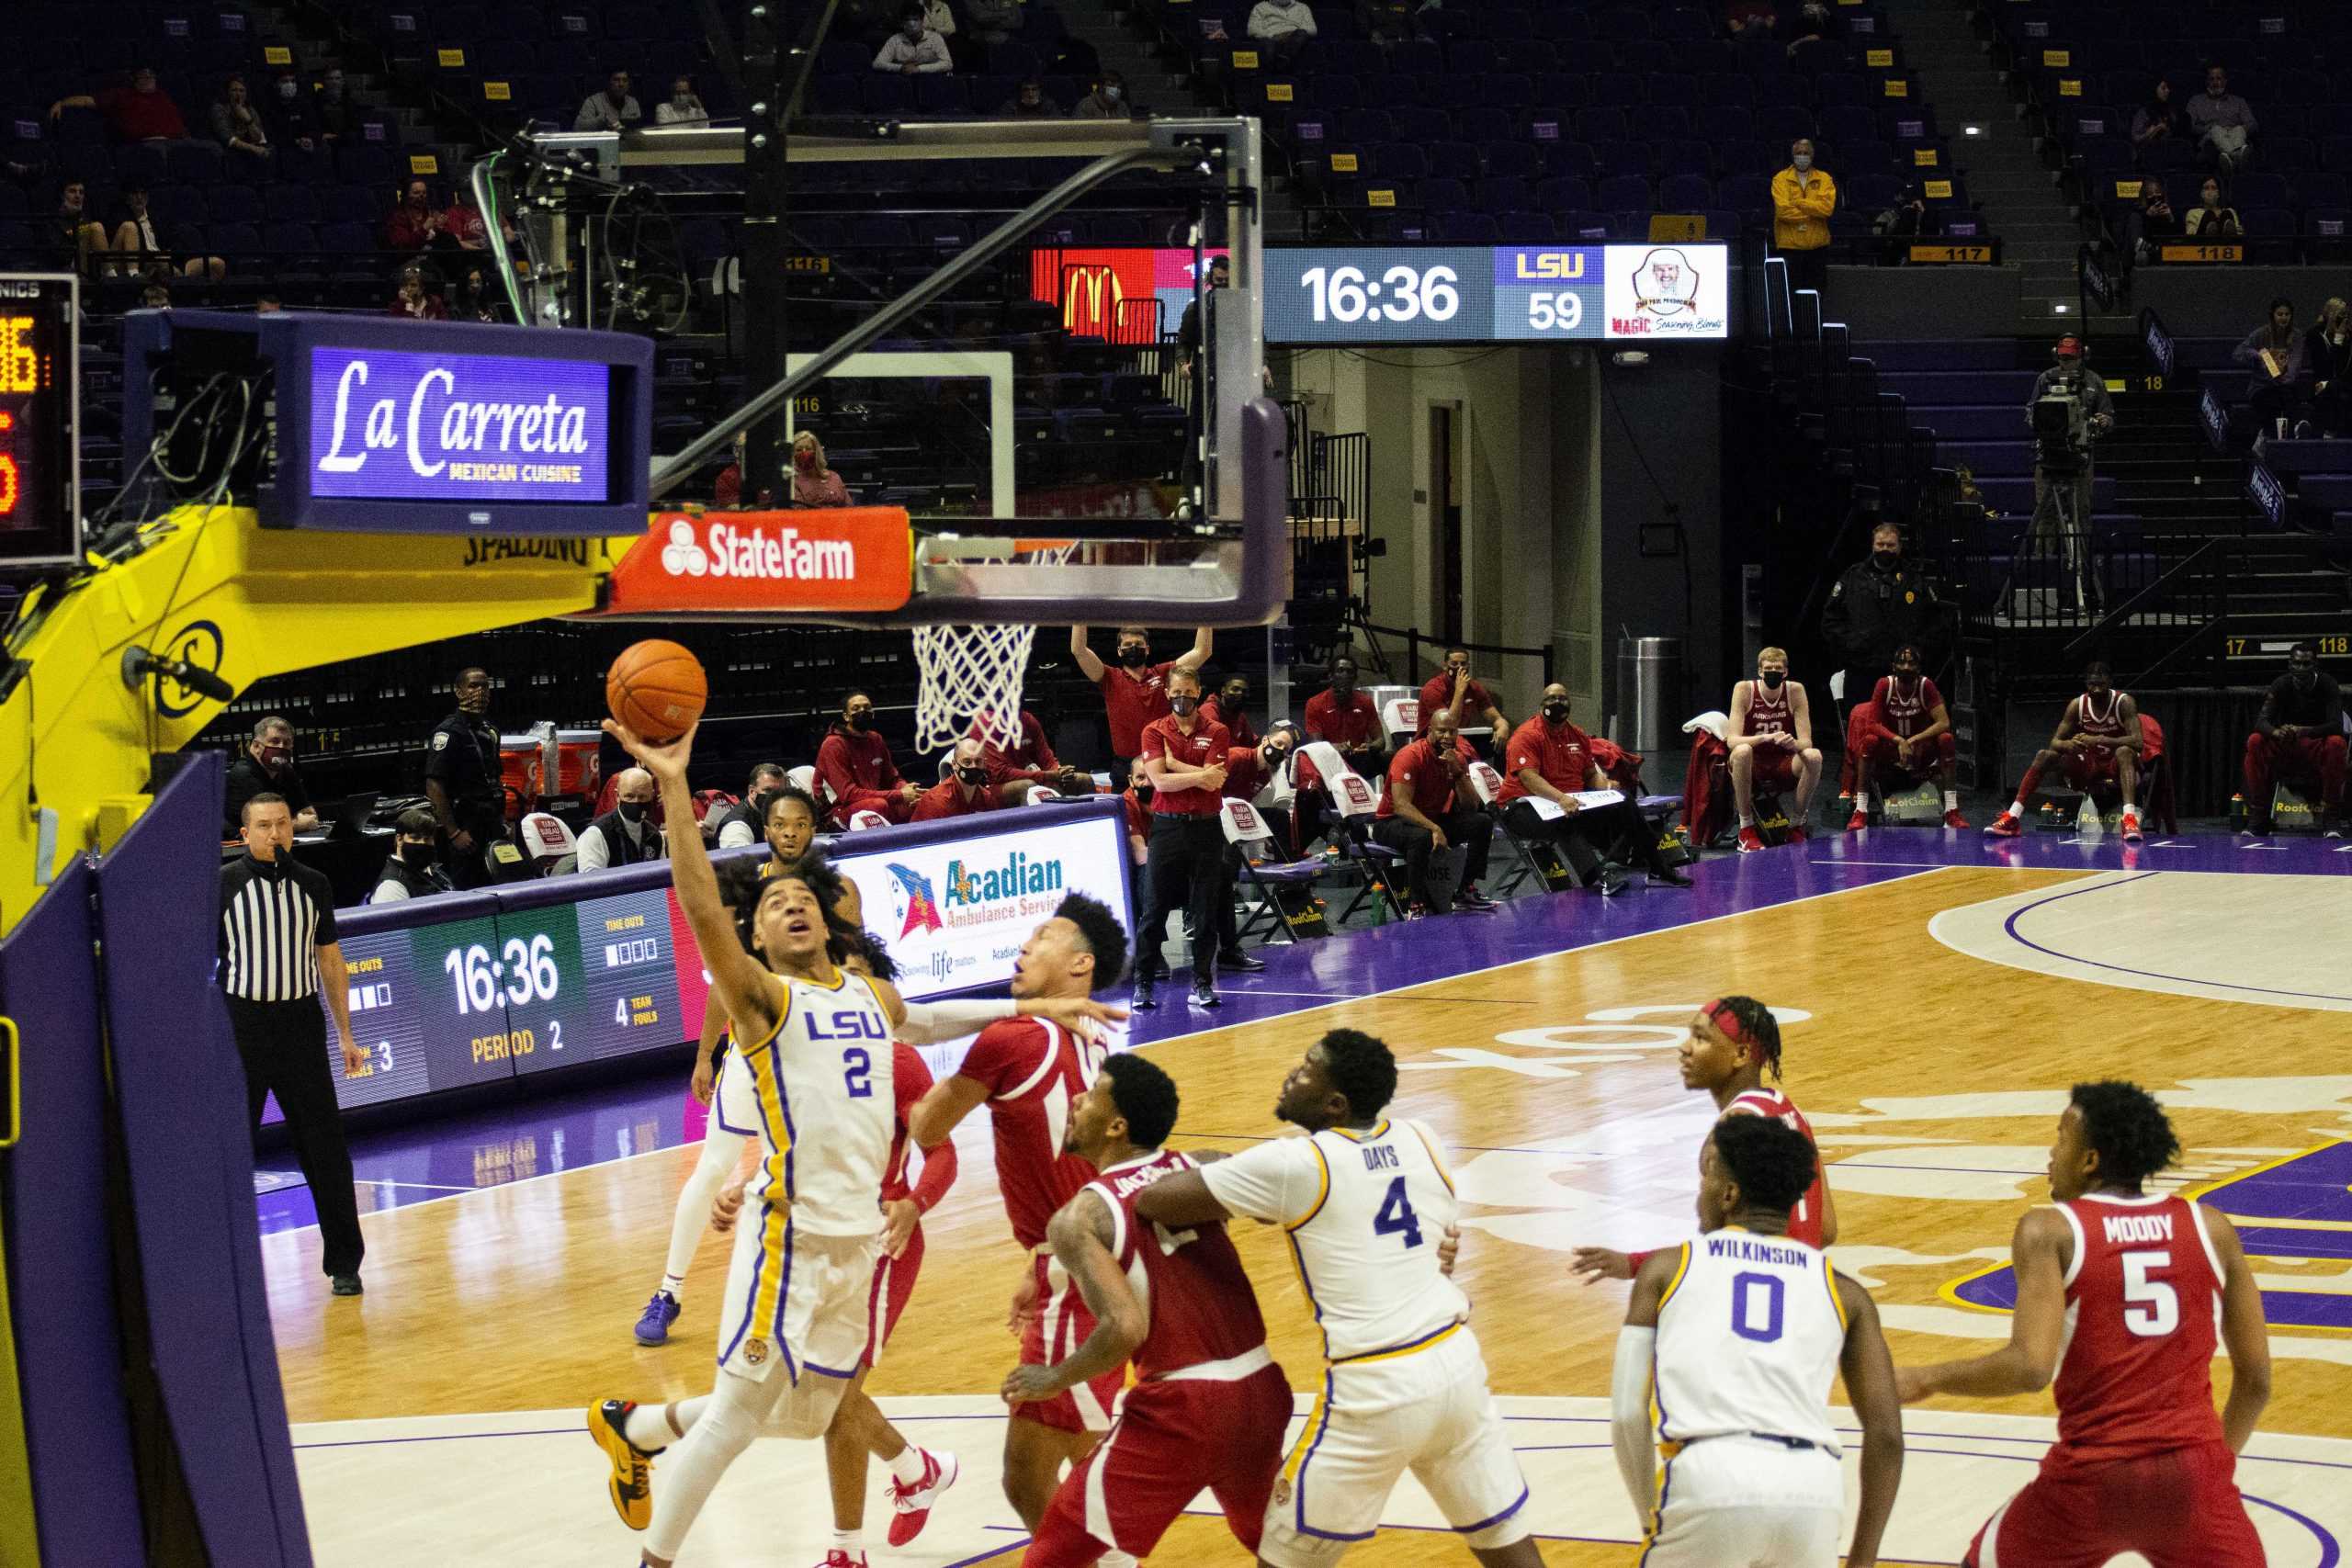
1807	269
1185	871
1472	831
1590	837
284	1047
471	868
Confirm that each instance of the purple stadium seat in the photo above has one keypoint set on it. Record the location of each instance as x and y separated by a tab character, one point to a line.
1689	155
346	239
1668	87
1504	193
1489	125
1746	193
1399	161
1363	126
1686	193
1526	228
1516	158
1442	195
233	204
1726	90
1454	160
1472	57
1721	123
1564	193
1465	229
1582	226
193	163
1572	158
1596	125
1504	90
1783	123
1624	193
287	238
1620	89
1618	159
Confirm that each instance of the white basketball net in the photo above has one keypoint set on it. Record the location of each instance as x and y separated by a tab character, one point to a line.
971	678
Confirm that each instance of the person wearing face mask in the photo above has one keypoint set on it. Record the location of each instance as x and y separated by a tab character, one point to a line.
464	784
625	835
269	765
1903	730
1135	689
1248	770
2221	121
612	109
739	826
683	107
966	790
1108	101
2327	359
1029	102
2159	119
853	764
1876	606
412	870
286	108
1770	741
914	49
1430	806
1550	758
1804	200
2298	736
1230	707
1028	760
1185	757
814	484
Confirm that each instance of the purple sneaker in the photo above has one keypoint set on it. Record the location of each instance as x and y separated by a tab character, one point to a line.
662	1311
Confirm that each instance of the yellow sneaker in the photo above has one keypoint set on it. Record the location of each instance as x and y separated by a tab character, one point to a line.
631	1484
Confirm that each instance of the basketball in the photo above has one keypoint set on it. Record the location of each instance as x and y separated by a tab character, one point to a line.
657	689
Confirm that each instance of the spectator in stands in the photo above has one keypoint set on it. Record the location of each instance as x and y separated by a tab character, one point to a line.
914	49
1909	217
2222	122
739	825
2299	734
462	221
1283	28
813	483
268	304
965	791
1107	101
476	300
1135	689
1905	729
994	21
412	870
337	116
2158	120
1771	739
728	488
683	107
1876	606
2327	359
1551	759
292	121
1029	761
1029	102
136	235
1429	806
155	294
77	235
628	832
612	109
140	112
854	762
1230	707
2154	222
237	123
2274	352
1456	691
416	224
1811	23
1803	199
267	767
1741	17
2210	219
414	301
1347	719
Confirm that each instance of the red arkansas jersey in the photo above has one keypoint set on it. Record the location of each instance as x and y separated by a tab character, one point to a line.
1194	1291
1033	1072
2144	1313
2100	721
1805	1219
909	1081
1905	713
1768	710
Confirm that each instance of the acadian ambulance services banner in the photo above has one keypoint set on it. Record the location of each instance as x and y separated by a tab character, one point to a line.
953	914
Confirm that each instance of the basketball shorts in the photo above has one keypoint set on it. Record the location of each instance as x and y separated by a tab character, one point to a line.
2179	1509
894	1286
2084	769
1060	1327
794	1300
1750	1501
1174	1439
1429	1412
1775	767
1924	759
734	1102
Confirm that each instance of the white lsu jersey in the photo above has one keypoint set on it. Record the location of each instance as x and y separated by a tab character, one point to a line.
1749	1334
824	1106
1364	1211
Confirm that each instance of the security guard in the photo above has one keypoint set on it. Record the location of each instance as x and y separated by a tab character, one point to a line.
462	781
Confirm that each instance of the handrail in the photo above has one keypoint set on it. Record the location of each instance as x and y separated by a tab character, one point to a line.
1414	636
2131	606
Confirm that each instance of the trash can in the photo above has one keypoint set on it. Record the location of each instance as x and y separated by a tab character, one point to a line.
1649	693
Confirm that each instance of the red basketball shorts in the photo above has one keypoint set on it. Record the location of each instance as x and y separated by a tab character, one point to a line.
1172	1439
1881	751
2089	766
2179	1509
1060	1327
894	1286
1775	765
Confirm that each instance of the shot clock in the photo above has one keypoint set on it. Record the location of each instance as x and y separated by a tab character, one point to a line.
41	515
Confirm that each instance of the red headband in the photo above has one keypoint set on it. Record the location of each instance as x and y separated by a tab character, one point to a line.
1719	1012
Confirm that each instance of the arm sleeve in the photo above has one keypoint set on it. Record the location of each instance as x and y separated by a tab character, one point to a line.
1279	1180
595	854
1629	1416
938	1175
928	1024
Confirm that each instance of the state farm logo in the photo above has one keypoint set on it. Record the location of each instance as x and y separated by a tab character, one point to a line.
784	555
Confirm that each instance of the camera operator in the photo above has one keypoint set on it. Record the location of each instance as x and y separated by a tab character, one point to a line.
2068	410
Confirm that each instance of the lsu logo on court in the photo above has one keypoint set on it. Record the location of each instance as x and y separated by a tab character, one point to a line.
1549	267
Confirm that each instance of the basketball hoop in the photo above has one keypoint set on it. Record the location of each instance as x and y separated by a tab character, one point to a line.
971	674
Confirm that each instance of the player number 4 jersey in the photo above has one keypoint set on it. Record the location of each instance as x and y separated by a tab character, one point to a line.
2144	1313
1749	1334
1364	1213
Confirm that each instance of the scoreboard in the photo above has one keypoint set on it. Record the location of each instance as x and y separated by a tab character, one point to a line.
1368	294
40	520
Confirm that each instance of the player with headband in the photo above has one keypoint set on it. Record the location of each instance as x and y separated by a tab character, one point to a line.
1733	1041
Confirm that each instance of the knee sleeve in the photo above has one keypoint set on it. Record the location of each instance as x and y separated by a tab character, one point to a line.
806	1408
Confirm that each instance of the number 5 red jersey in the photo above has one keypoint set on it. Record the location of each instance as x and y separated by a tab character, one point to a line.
2144	1313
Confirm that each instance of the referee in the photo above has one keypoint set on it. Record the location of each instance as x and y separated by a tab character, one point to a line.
277	948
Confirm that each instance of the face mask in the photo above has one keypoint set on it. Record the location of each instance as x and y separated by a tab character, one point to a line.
805	461
1883	563
1143	794
277	756
1232	702
1134	657
2306	679
287	89
860	722
1555	712
1183	706
1773	678
416	857
632	811
972	776
1114	93
1803	162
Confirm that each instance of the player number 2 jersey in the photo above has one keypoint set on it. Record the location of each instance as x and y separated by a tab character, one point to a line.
2144	1312
1191	1281
1364	1213
1749	1334
1033	1072
826	1103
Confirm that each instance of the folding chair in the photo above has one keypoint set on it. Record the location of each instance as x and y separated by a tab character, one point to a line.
1400	719
1487	785
1355	805
1270	878
860	820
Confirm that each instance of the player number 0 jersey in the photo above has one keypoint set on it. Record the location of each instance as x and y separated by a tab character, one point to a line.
826	1104
1749	1334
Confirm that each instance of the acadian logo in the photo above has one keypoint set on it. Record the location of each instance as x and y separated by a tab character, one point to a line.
1019	874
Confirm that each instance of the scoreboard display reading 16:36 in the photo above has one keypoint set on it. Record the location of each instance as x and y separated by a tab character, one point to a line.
1367	294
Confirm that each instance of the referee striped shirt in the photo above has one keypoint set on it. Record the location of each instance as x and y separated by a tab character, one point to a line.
275	915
